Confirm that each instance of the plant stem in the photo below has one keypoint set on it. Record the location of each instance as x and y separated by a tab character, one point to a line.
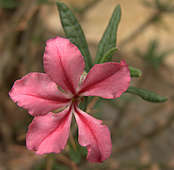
91	104
49	162
72	141
66	161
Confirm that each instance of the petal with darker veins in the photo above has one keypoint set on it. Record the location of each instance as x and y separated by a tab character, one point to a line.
64	63
94	136
49	133
37	93
107	80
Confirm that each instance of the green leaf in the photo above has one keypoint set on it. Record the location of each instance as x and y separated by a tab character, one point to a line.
146	94
78	154
108	55
74	155
109	38
8	4
74	32
135	72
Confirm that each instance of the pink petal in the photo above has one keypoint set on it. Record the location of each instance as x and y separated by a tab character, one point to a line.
93	135
37	93
64	63
49	133
108	80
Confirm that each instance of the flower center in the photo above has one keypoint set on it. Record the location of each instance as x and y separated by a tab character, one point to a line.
76	99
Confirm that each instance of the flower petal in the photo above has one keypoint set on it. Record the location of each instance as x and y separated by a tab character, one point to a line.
64	63
49	133
93	135
37	93
108	80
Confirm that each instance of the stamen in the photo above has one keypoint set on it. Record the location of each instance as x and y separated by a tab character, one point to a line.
82	78
77	99
59	109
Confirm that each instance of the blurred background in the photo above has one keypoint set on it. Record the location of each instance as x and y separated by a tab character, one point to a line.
142	132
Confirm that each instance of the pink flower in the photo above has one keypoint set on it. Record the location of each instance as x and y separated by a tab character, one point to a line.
60	87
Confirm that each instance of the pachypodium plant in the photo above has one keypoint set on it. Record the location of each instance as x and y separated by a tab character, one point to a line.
53	97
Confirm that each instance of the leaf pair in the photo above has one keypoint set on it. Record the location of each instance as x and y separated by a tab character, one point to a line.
75	33
106	47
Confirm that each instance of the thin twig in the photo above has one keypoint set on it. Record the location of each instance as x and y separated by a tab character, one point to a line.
121	114
153	133
49	162
154	110
9	37
91	104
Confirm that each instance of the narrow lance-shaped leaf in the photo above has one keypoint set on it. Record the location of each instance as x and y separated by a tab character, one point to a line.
108	55
74	32
146	94
135	72
109	38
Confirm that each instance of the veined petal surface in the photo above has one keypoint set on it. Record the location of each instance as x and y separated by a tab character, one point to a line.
107	80
37	93
94	136
49	133
64	63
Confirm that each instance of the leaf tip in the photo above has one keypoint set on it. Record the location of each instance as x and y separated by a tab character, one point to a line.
118	8
147	95
163	99
135	72
60	4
